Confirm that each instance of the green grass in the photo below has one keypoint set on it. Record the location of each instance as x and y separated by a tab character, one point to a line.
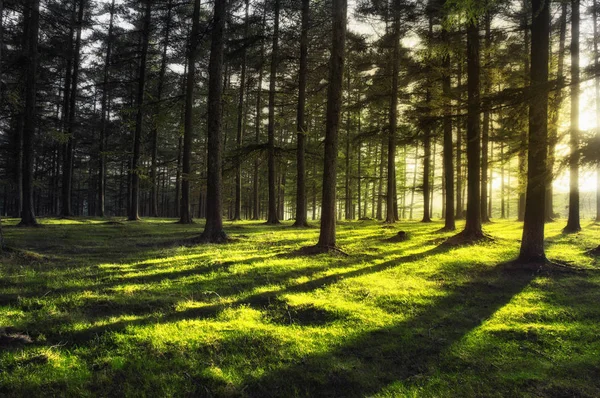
95	309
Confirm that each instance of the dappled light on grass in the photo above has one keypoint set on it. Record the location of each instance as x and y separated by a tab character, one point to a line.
119	303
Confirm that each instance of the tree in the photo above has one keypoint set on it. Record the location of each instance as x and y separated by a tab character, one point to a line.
449	219
573	223
557	99
185	214
155	127
272	209
213	229
74	81
473	229
301	220
532	244
240	126
104	113
327	237
595	11
31	31
139	117
393	118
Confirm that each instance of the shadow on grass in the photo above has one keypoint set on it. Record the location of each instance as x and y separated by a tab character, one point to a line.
367	363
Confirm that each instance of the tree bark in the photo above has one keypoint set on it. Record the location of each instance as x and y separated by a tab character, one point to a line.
523	144
66	118
460	212
532	244
556	101
155	127
473	225
327	237
31	53
104	114
485	137
213	229
393	120
272	209
139	118
237	215
301	217
185	213
573	223
597	89
449	221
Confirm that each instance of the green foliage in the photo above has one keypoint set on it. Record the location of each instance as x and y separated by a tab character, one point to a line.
124	309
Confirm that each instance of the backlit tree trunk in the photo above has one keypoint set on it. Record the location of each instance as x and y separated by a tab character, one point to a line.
532	244
213	230
300	123
573	223
327	237
139	117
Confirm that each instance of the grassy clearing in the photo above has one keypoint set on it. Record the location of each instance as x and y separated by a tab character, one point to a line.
119	309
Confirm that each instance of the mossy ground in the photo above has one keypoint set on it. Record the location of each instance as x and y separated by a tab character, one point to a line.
121	309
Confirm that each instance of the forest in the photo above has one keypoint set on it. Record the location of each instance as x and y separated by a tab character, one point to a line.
281	198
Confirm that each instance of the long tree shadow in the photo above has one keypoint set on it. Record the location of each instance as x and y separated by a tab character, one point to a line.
160	307
367	363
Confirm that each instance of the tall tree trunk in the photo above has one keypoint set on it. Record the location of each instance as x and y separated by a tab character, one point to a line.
66	115
31	53
393	119
104	114
380	187
327	237
449	221
532	244
597	89
301	220
213	230
68	159
185	212
485	137
556	102
347	171
573	223
460	212
523	144
473	225
237	215
155	127
272	210
139	118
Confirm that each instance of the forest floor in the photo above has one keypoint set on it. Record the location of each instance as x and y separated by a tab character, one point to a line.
89	308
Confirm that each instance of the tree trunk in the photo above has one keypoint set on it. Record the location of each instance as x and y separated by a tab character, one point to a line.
485	137
237	215
139	118
393	119
301	220
597	89
66	118
523	144
31	55
449	222
573	223
185	212
473	225
460	212
213	230
272	210
155	127
327	237
105	114
532	245
554	110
